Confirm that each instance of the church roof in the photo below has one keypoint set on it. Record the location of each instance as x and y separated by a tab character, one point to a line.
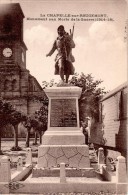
36	82
11	8
114	91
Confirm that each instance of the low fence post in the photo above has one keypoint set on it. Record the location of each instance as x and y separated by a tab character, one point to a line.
5	170
62	173
121	170
20	164
5	175
101	159
121	176
29	156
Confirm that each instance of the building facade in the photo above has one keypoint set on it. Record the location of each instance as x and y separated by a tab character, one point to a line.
111	131
16	83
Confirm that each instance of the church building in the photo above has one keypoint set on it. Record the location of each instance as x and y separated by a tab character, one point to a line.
17	85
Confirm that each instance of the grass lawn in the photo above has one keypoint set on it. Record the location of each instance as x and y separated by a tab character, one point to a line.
6	149
8	144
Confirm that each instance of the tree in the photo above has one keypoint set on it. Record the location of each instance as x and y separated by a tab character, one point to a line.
42	117
38	128
37	121
28	126
48	84
35	127
6	109
90	96
15	118
29	123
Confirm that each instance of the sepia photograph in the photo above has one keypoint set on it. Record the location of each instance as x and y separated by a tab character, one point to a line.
63	97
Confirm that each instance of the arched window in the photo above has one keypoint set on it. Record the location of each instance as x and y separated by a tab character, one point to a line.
7	85
14	85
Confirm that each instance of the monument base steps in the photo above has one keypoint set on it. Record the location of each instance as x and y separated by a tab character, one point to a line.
72	185
63	138
70	172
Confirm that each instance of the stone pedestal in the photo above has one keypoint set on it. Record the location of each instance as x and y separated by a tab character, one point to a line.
63	117
74	156
63	141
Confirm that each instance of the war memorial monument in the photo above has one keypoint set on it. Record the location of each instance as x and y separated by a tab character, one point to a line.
63	164
63	141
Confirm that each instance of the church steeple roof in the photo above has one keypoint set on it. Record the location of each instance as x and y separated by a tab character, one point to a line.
14	8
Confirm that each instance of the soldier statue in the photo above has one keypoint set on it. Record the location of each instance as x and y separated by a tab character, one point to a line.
64	58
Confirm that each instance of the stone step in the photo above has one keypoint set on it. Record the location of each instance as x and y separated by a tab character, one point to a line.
55	172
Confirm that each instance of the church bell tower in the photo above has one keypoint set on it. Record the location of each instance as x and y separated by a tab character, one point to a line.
16	84
12	47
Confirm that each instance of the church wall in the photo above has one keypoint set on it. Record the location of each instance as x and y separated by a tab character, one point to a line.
24	84
33	106
20	104
14	77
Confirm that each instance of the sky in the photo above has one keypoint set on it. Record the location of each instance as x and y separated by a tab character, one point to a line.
101	48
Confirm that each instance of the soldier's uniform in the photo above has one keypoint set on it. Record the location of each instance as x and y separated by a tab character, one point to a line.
64	58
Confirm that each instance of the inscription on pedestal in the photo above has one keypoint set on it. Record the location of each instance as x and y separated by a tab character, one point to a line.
63	113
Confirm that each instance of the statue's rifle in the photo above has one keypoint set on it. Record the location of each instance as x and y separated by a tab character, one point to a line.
72	31
71	35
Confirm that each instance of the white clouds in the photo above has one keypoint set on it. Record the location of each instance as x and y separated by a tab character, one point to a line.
100	31
38	35
38	40
101	52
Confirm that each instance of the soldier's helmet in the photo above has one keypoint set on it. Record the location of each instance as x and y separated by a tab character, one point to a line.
61	27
